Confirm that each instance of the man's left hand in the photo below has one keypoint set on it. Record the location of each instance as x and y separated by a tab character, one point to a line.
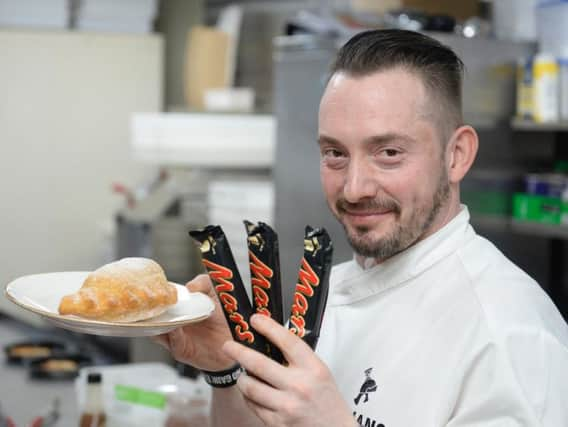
300	394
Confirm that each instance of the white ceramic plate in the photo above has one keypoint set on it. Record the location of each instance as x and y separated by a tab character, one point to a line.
41	293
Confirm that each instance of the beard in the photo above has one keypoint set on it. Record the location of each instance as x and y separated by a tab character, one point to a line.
404	234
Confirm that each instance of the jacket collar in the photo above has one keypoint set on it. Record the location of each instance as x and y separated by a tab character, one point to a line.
351	282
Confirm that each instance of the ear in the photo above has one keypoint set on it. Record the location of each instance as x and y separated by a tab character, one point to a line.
460	152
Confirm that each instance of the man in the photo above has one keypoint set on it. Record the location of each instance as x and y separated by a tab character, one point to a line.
429	325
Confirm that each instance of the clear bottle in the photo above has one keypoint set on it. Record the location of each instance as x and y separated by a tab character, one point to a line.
93	414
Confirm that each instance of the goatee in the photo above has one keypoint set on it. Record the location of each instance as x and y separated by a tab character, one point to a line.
403	235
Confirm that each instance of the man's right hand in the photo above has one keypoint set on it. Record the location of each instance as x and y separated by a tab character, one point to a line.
199	344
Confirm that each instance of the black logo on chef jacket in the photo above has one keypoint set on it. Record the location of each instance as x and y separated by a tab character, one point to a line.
369	386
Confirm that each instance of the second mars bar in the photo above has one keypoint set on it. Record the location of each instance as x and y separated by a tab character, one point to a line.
264	264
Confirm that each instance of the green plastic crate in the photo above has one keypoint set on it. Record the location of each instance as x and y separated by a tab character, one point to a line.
536	208
497	203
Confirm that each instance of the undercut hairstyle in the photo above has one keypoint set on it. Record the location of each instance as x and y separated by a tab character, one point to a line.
438	67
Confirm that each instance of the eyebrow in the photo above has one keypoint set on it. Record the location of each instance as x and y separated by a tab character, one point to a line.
390	137
375	139
324	139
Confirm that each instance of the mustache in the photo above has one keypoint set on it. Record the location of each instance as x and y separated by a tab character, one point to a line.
343	205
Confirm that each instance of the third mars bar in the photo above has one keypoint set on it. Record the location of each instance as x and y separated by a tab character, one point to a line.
310	295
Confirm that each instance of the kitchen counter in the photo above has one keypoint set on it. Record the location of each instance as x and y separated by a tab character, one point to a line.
23	398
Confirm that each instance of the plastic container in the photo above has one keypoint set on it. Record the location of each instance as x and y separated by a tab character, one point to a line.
134	395
515	20
546	87
545	184
26	352
525	88
61	367
229	100
489	192
551	19
563	65
537	208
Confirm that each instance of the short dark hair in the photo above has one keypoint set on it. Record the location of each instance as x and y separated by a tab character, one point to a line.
439	68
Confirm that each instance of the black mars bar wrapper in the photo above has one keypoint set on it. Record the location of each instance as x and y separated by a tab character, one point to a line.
218	259
310	295
266	284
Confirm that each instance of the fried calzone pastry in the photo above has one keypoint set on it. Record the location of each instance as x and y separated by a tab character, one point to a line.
127	290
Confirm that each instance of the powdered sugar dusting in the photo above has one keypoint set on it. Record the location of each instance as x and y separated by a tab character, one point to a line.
130	264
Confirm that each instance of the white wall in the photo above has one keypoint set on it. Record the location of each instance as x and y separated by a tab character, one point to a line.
65	103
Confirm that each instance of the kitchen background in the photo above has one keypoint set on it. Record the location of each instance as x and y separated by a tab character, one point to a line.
123	124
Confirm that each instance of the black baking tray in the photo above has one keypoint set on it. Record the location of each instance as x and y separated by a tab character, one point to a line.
43	348
58	367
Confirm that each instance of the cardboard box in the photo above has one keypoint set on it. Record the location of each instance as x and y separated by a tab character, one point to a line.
206	64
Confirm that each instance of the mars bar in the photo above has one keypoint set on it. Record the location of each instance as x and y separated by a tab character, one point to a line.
310	295
220	264
266	284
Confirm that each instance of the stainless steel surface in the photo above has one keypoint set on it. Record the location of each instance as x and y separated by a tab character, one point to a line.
299	79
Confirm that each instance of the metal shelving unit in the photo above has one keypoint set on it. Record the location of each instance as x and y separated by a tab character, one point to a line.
529	125
541	230
556	234
527	228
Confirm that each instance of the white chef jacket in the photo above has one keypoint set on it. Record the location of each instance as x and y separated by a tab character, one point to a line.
447	333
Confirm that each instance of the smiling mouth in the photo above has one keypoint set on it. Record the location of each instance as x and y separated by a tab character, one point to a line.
366	218
367	213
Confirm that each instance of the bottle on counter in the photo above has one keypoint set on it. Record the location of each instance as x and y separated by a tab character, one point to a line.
93	414
546	87
525	102
563	64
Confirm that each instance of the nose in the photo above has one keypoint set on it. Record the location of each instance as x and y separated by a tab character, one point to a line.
360	181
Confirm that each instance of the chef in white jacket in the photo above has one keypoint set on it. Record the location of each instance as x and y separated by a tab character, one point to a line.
429	324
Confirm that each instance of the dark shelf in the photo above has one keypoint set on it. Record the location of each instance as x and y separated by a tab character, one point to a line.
529	125
528	228
541	230
494	223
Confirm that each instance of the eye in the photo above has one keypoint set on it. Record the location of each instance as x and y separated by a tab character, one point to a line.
389	156
332	152
332	157
391	152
